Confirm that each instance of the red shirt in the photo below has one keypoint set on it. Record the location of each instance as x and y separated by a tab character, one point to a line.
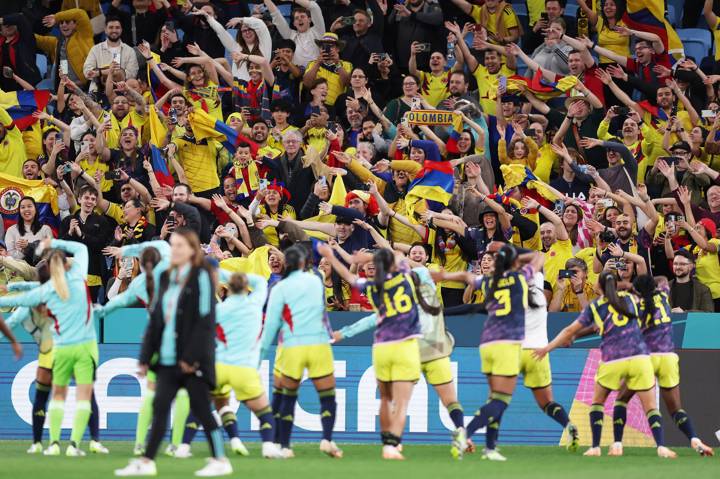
645	72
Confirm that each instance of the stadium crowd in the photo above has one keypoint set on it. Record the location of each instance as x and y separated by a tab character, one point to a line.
259	126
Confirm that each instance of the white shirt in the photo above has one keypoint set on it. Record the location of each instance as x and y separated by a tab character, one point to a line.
306	50
536	318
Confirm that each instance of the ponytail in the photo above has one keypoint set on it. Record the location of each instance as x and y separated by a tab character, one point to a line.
57	274
504	259
608	284
383	260
645	287
149	258
238	283
427	307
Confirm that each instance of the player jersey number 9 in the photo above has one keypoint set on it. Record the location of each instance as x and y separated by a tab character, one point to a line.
399	303
502	296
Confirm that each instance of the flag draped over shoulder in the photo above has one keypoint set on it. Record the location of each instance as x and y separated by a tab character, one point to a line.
454	132
205	126
256	263
522	176
649	16
13	189
540	87
159	165
433	183
20	105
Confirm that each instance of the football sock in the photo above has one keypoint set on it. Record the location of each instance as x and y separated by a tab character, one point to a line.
215	440
456	414
82	415
229	421
655	422
267	424
42	393
192	425
276	401
94	420
491	434
389	439
56	411
491	411
597	413
328	407
683	422
287	412
182	410
557	413
619	420
144	417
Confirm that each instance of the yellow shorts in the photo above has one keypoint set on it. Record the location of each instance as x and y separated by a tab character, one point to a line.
437	371
637	372
500	359
45	360
536	374
667	369
291	361
276	362
243	380
397	361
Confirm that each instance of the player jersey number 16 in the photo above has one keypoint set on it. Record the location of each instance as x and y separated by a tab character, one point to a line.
399	304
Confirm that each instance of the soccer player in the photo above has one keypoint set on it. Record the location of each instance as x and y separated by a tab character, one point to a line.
506	300
436	345
75	342
237	354
296	308
657	331
154	256
396	354
624	357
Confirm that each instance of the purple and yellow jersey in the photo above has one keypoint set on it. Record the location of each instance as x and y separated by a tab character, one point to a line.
657	327
397	312
621	335
506	309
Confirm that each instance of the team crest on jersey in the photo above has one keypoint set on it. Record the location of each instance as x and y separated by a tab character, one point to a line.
10	200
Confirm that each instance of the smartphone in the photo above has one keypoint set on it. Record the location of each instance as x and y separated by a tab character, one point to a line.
67	168
621	110
127	263
531	132
424	47
544	17
263	184
85	147
347	21
383	56
64	69
620	264
502	82
332	126
116	58
670	160
58	137
172	114
7	72
605	202
170	26
566	273
326	48
113	175
170	221
583	168
708	114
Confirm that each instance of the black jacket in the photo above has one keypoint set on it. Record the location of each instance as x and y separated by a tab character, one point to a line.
194	334
297	178
20	55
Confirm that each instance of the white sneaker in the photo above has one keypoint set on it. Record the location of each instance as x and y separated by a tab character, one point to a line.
287	453
459	443
73	451
139	450
138	467
52	450
331	449
183	451
237	446
170	450
493	455
615	449
270	450
96	447
36	448
215	467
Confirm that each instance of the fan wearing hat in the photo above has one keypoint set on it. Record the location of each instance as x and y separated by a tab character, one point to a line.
359	205
272	202
329	66
669	172
621	172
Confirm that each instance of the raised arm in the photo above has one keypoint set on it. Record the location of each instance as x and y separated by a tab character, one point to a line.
79	252
327	253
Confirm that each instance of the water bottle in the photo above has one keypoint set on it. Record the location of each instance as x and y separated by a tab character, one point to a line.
450	54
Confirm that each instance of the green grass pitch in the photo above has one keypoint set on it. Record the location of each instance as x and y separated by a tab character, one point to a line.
363	461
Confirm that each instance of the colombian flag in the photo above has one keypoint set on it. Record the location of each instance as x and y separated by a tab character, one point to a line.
541	88
205	126
434	182
256	263
13	189
649	16
455	130
157	133
157	89
520	175
20	105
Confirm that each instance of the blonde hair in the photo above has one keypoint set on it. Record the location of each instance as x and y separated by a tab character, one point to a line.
57	274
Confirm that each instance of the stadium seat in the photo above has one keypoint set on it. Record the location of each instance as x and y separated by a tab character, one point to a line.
698	36
571	10
695	49
285	9
672	15
42	64
520	9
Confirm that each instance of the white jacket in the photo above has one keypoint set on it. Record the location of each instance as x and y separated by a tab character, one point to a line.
306	49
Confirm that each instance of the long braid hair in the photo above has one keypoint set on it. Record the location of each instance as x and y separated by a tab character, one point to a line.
608	285
645	287
149	258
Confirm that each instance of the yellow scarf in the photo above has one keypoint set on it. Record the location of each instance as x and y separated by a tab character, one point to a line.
243	189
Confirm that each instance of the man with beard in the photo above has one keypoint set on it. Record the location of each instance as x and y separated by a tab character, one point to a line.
289	170
260	132
70	50
556	243
433	84
665	107
487	75
687	293
458	83
103	56
121	115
